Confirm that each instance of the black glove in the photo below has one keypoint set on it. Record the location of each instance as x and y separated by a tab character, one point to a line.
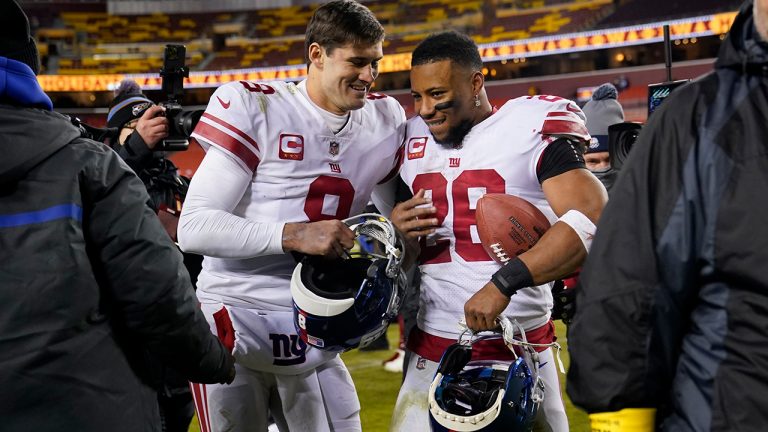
564	298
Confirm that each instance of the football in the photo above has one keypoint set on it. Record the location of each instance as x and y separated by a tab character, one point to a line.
508	225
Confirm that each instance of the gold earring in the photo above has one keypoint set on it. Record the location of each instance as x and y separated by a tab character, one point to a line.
477	101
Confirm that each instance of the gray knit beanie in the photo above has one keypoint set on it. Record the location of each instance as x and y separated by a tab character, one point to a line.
602	110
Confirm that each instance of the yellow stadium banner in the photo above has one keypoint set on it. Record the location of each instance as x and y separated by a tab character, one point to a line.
710	25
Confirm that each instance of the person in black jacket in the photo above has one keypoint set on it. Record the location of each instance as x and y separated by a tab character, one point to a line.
671	329
141	126
91	287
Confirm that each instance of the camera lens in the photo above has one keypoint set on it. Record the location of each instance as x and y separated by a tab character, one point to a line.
184	122
621	138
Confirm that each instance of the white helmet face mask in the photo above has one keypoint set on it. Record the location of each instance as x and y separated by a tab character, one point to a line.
348	302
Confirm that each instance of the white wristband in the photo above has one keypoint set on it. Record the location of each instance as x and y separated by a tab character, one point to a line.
584	227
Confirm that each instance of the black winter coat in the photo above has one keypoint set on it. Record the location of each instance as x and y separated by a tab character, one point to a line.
672	311
90	287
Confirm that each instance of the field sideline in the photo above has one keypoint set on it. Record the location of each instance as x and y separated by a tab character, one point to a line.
378	389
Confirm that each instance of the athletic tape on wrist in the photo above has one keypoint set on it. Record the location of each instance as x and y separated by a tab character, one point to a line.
512	277
581	224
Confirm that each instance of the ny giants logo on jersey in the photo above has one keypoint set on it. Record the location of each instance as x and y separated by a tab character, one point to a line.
454	162
416	147
335	167
291	147
288	350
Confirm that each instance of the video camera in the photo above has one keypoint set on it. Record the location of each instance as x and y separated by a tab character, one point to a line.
180	123
621	138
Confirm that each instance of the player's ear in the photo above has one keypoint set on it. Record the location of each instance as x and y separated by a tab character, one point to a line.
315	55
478	80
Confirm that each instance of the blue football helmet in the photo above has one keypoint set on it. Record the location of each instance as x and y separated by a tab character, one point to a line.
348	302
485	395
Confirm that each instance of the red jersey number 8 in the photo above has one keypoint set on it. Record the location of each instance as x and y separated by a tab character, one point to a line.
324	186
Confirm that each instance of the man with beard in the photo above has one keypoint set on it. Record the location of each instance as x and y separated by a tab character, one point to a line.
458	148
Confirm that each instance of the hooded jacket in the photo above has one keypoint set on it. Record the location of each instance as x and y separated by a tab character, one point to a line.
672	312
91	286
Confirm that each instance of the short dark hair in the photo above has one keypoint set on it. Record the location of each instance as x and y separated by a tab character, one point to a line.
448	45
341	22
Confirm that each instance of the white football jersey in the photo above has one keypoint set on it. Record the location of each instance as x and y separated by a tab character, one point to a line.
499	155
302	172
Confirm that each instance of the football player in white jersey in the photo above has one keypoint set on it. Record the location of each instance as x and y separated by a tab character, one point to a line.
458	148
284	163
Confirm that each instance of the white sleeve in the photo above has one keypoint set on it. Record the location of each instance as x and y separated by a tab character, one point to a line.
207	225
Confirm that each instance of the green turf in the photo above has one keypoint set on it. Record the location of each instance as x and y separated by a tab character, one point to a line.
378	388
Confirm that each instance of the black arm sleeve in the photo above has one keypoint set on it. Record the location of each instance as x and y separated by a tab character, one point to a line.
560	156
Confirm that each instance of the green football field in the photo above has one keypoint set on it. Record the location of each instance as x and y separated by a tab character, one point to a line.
378	388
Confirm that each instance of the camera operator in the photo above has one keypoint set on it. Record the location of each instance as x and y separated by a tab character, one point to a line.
141	125
602	110
90	285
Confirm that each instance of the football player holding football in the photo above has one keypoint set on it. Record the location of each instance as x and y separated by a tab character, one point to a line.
285	163
458	148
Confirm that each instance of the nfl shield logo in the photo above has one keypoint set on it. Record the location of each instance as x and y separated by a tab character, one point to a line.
333	148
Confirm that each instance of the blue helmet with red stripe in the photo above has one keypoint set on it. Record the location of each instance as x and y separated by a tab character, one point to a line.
348	302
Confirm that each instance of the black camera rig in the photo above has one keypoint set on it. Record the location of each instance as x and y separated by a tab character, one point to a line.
180	123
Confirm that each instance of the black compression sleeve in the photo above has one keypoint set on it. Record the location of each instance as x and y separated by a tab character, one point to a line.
560	156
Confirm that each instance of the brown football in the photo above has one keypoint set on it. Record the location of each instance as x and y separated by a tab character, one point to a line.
508	225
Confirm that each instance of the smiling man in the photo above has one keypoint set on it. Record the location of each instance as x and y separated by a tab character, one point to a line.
458	148
285	162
